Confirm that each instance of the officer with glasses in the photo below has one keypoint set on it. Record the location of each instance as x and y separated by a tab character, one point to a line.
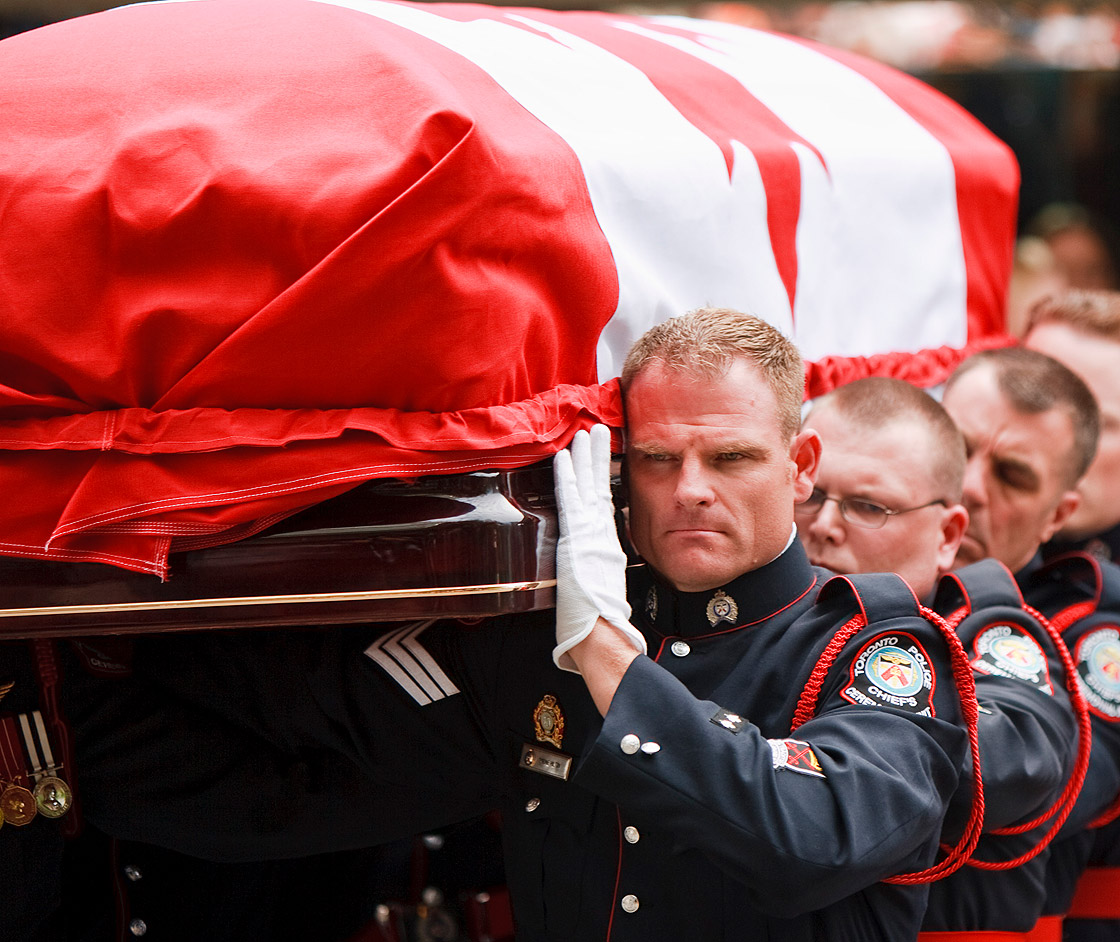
889	497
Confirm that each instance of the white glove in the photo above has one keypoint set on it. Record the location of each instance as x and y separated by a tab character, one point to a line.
590	564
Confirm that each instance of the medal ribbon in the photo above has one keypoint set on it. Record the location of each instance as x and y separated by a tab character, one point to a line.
13	769
48	668
38	769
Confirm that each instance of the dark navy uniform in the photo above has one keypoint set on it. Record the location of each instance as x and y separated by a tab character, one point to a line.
30	854
690	811
1093	585
1028	736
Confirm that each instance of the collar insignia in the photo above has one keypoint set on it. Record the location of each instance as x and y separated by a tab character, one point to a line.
651	603
722	607
4	688
548	721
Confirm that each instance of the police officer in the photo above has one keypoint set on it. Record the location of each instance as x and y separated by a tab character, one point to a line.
1081	329
672	756
888	497
1030	426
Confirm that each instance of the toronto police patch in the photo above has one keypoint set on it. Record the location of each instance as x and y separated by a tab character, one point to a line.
1098	667
893	670
1007	650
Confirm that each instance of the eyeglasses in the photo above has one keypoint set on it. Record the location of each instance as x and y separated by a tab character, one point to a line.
857	510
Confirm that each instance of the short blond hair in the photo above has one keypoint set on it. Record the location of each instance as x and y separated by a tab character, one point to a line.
706	341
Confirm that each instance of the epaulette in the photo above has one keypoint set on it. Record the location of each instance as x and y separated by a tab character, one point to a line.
880	597
985	606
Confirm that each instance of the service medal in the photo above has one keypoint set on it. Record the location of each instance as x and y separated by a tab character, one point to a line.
17	805
548	721
53	797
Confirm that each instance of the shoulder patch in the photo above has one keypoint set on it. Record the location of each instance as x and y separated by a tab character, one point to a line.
892	670
796	756
1007	650
1098	667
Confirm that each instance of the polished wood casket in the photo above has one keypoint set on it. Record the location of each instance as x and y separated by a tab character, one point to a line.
464	545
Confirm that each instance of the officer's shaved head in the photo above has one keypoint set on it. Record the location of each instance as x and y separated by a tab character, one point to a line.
878	401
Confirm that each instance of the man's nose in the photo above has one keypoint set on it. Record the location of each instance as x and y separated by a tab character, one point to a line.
693	484
975	490
828	524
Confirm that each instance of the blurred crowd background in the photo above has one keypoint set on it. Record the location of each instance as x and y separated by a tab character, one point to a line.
1044	76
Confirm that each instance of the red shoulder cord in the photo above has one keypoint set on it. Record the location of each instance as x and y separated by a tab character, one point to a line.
1061	621
966	689
1068	798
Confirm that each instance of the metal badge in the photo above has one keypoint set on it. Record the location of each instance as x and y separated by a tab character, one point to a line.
651	603
53	797
18	805
732	722
722	607
548	721
545	761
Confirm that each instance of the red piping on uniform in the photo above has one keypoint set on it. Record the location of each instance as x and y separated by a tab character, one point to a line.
1065	802
966	690
617	874
727	631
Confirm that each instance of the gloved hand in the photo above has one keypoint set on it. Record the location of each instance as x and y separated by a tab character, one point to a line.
590	564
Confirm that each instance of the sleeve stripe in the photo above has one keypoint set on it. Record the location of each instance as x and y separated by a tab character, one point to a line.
406	660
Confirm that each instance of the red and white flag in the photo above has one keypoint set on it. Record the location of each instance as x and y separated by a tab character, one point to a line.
253	252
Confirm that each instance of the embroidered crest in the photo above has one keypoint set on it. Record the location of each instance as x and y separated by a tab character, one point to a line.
893	670
796	756
5	688
1009	651
722	607
732	722
651	603
548	721
1098	667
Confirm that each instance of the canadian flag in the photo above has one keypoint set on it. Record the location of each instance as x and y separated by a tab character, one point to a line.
254	252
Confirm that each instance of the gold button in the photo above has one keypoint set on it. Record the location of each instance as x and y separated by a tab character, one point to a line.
532	804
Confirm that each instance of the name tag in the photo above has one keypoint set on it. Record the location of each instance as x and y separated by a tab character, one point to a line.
545	761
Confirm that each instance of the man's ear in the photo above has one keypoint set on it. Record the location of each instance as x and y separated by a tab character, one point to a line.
805	453
1067	504
954	523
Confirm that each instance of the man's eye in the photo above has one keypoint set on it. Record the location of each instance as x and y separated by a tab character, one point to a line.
1019	478
730	456
655	456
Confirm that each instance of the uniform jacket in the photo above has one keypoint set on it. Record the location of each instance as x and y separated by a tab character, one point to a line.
1028	746
1092	637
690	811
